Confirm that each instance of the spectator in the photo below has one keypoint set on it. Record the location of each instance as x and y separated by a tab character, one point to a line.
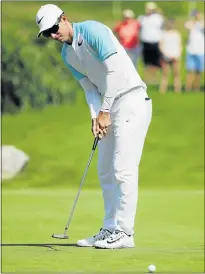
171	49
127	32
195	51
151	34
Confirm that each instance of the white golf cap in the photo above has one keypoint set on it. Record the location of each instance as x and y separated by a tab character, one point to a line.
128	13
151	5
47	16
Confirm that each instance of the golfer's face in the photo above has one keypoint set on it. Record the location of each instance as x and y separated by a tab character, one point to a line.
62	35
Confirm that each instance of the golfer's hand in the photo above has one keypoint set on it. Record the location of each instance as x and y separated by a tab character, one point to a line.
103	122
94	127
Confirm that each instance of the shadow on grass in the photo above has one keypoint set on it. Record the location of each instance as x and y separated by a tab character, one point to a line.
51	246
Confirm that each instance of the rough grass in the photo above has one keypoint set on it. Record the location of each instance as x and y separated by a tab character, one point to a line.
58	140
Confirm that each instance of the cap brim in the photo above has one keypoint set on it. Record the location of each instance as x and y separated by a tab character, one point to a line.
43	29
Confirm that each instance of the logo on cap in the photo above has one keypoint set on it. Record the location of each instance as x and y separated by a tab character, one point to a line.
40	20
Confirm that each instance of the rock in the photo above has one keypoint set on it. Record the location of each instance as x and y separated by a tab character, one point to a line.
13	161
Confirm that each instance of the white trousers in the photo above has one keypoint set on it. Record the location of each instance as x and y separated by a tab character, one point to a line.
119	158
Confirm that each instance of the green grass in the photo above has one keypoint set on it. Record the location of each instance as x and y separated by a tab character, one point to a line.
58	140
169	232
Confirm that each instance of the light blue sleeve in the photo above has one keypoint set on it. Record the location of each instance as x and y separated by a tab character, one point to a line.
98	38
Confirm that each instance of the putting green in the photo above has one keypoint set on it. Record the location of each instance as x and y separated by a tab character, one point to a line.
169	232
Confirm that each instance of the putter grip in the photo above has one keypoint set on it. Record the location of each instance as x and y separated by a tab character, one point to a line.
95	142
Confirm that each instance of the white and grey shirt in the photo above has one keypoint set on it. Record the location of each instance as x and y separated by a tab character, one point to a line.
100	64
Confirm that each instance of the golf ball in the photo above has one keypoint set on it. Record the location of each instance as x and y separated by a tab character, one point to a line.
152	268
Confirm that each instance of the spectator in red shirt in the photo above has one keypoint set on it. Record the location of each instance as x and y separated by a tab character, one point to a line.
128	31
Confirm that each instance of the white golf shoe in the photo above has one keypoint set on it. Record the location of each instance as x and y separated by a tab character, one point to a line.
118	239
102	235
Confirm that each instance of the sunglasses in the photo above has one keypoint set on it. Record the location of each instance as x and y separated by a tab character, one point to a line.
54	29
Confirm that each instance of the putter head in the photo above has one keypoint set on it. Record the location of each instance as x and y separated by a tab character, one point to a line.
60	236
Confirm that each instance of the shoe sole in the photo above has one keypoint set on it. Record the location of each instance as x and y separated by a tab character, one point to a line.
99	247
81	245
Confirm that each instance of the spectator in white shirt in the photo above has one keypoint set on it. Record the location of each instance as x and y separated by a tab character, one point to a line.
171	48
195	51
151	34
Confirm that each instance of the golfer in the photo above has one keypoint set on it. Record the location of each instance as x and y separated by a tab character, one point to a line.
120	111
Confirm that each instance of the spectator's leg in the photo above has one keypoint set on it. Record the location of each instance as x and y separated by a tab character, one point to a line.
151	75
176	74
196	83
190	65
131	54
189	80
137	54
164	78
150	70
199	70
155	63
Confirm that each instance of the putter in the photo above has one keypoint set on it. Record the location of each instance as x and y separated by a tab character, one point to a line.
64	235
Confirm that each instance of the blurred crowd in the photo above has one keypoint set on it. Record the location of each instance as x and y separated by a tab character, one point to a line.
158	41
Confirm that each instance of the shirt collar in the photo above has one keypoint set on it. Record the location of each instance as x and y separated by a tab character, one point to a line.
74	25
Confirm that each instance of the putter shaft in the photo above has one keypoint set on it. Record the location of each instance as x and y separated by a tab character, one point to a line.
78	194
